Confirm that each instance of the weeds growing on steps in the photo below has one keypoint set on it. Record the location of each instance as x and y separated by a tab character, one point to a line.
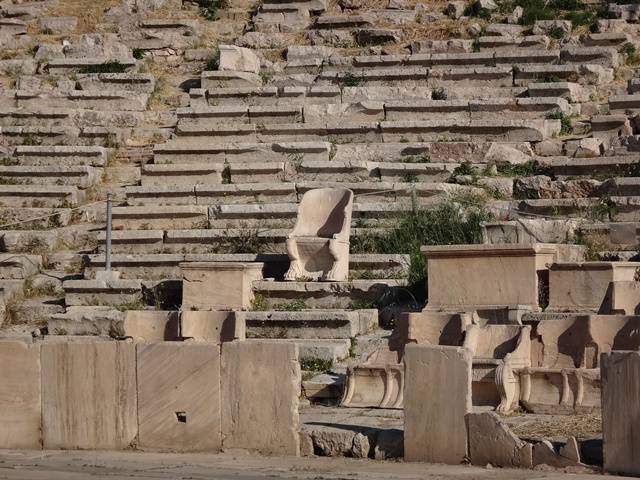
455	221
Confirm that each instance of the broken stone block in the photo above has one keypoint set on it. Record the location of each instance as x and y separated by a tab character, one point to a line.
543	27
261	414
491	441
238	58
179	396
212	326
437	396
545	454
571	450
218	285
97	378
500	154
20	399
620	373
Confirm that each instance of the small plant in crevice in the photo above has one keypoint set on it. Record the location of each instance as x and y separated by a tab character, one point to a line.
260	303
350	80
438	93
105	67
315	364
226	174
213	62
210	9
630	53
566	127
296	305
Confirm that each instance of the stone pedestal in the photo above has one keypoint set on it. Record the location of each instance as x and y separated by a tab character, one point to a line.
218	285
488	276
586	286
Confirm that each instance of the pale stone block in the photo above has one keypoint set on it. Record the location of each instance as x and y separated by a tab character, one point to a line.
260	390
626	297
238	59
218	285
586	286
620	373
88	395
150	326
318	246
179	396
20	399
459	274
212	326
491	441
437	396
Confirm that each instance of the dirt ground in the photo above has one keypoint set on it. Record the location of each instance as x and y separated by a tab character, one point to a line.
72	465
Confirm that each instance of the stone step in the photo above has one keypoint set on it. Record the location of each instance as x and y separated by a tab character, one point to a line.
149	218
64	66
94	100
310	324
40	196
202	151
496	129
327	295
63	155
76	175
588	167
211	194
164	175
257	115
496	42
85	320
99	292
19	266
33	116
332	350
131	82
167	265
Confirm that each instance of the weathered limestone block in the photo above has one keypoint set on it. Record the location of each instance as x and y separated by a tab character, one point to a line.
511	269
179	396
151	326
626	297
545	454
238	58
586	286
437	397
318	247
212	326
20	399
491	441
58	24
88	395
218	285
620	373
260	390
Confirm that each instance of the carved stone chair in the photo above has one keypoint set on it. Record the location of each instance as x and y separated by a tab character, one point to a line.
318	246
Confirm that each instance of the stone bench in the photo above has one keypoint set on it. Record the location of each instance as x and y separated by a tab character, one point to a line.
155	216
312	324
41	135
568	207
94	100
99	292
613	165
33	116
325	295
252	114
64	66
605	56
60	155
210	194
573	92
77	175
153	175
53	196
525	74
624	102
496	42
201	151
134	82
288	95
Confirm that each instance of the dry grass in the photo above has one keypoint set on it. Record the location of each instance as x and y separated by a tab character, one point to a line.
90	13
560	426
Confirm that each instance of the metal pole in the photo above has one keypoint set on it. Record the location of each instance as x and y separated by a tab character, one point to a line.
108	251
